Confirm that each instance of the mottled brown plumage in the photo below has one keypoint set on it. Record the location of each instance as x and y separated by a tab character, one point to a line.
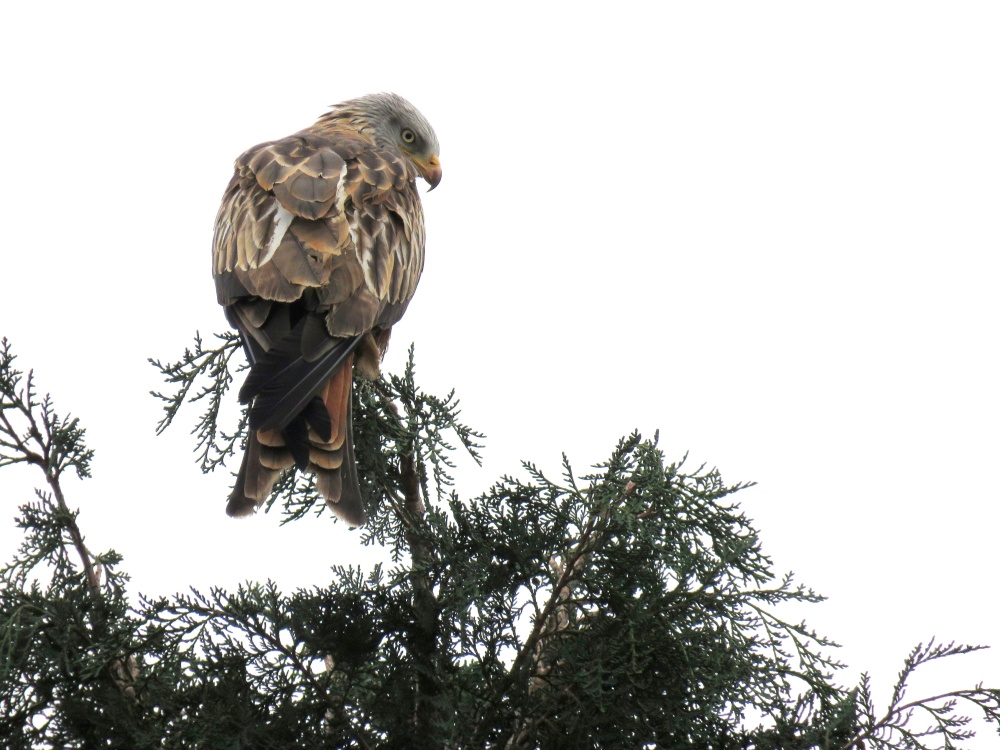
319	244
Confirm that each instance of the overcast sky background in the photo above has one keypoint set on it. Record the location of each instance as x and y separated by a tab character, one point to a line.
769	230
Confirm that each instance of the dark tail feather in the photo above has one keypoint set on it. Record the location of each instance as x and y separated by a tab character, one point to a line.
316	415
296	435
283	383
351	507
267	364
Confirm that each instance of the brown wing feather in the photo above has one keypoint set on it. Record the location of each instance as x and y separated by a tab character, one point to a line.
322	210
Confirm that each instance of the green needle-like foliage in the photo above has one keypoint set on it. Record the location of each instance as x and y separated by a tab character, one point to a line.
631	607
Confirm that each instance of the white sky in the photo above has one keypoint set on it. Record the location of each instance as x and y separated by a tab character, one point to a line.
767	229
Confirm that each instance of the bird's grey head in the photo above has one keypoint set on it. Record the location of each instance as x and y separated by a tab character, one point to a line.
394	123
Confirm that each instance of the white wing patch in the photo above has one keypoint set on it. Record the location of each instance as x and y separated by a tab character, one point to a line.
367	254
341	193
282	219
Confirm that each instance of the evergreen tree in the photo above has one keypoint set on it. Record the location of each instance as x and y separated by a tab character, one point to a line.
630	607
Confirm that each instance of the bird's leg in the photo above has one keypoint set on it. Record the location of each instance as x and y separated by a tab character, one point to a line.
368	355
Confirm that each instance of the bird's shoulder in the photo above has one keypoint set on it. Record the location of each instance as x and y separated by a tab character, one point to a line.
295	208
313	173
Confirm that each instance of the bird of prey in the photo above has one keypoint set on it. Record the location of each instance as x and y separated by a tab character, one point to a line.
319	244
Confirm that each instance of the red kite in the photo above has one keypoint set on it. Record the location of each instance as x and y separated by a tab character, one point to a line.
318	248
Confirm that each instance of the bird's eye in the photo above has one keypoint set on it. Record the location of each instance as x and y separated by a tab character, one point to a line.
408	136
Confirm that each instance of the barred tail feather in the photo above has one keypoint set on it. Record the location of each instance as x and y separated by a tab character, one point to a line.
319	439
337	479
254	481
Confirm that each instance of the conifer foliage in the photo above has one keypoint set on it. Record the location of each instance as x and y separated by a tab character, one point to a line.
630	607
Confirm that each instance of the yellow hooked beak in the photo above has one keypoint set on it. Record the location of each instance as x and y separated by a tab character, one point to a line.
430	170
